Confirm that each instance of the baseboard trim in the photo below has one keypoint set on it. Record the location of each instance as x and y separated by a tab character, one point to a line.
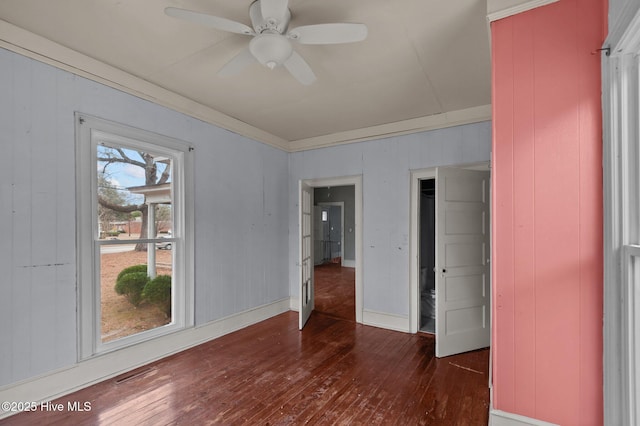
503	418
384	320
85	373
372	318
348	263
294	304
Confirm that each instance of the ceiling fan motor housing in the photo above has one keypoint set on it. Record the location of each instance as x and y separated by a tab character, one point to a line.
269	24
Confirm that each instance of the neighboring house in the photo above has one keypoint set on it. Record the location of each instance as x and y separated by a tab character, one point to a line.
545	145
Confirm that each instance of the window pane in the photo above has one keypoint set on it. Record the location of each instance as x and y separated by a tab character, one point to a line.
134	202
124	308
129	181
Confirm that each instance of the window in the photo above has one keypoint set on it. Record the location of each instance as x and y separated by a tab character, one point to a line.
135	238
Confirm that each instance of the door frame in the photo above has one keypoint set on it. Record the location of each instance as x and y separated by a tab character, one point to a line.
356	182
414	239
341	205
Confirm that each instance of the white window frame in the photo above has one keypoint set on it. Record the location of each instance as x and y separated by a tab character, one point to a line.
90	132
621	184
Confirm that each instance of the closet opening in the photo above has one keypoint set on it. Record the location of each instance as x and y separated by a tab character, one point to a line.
427	254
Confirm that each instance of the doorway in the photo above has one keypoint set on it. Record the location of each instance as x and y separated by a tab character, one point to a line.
335	285
450	244
334	281
427	254
328	225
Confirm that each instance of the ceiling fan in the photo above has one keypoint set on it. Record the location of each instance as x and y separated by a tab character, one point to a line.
271	44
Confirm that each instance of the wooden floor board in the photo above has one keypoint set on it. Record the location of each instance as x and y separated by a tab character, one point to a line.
335	371
335	291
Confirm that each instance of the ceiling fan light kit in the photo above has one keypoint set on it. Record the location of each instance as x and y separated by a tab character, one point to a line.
271	50
271	44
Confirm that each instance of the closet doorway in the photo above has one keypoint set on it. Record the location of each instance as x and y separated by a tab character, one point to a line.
427	261
450	259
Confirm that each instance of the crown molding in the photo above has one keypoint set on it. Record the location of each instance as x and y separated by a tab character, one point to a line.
500	9
414	125
33	46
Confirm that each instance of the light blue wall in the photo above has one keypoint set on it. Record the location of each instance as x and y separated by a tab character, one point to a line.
241	215
245	209
385	166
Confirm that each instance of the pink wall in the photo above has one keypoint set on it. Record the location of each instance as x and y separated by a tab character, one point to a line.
547	217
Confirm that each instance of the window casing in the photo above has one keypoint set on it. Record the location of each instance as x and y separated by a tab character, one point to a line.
93	135
621	165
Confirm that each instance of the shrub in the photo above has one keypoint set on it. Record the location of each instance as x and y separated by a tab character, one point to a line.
131	285
130	269
158	292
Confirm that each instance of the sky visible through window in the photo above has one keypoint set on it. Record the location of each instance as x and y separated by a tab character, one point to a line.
125	168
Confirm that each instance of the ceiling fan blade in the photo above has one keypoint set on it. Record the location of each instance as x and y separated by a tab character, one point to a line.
328	33
209	20
299	69
237	63
274	8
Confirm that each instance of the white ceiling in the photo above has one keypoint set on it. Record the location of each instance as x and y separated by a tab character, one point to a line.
424	64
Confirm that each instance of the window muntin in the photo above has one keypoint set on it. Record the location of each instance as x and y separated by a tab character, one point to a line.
130	184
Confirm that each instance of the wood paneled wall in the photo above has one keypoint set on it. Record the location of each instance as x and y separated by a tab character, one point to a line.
241	216
547	215
244	208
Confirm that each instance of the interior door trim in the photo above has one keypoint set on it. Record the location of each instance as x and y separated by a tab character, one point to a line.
356	182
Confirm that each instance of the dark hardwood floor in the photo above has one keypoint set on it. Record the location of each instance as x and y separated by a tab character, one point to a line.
335	290
332	372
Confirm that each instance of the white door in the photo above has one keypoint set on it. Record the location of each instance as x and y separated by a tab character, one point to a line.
306	253
462	261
